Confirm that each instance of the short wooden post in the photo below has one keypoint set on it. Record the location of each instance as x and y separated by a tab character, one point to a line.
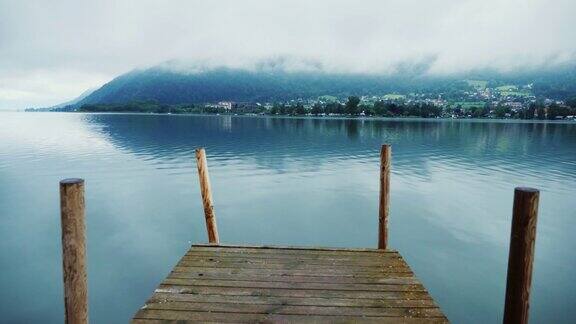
521	255
74	250
206	192
385	161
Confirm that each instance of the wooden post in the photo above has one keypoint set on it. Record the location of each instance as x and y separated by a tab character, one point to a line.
385	160
74	250
521	255
206	192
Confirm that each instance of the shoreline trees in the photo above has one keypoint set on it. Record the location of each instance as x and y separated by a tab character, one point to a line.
353	107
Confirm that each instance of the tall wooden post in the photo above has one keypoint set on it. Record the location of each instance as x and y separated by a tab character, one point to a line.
206	192
385	161
521	255
74	250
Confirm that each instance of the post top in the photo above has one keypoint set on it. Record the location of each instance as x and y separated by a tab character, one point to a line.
70	181
527	189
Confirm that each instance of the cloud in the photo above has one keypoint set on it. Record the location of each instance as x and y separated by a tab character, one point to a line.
51	51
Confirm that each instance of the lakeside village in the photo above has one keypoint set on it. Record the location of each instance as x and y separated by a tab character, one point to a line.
478	101
507	101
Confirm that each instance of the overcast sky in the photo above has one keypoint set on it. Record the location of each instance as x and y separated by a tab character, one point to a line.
51	51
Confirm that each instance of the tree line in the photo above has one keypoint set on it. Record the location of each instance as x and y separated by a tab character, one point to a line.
352	107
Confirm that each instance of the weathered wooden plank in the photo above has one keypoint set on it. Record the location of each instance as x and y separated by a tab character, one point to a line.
313	256
295	258
291	250
250	318
293	273
387	267
324	271
294	301
394	262
363	320
241	276
282	292
295	310
305	256
172	280
287	249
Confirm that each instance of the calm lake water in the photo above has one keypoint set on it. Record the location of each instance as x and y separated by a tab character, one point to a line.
286	182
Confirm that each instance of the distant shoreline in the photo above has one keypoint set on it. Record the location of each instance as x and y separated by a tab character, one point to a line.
342	117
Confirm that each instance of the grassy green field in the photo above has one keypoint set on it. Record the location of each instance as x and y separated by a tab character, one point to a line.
393	96
327	98
467	104
514	93
508	87
477	84
512	90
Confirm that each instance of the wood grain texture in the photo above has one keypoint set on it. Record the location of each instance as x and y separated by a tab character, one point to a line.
74	251
336	262
316	272
521	255
293	301
233	307
390	279
266	284
305	254
287	249
288	292
391	263
206	191
170	316
384	210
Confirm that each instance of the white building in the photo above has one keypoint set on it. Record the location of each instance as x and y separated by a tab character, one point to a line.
225	104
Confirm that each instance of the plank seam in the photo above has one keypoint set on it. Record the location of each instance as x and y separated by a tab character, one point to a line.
290	314
304	248
154	301
291	296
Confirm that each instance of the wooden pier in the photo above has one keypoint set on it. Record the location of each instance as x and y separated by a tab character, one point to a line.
216	283
253	284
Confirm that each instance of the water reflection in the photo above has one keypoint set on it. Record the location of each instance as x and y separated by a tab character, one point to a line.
287	181
543	150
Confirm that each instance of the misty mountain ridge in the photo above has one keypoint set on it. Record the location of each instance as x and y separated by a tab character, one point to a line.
282	79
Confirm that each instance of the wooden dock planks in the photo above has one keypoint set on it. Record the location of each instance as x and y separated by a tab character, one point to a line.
288	284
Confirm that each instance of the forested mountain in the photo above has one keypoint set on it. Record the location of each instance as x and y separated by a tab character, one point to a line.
168	86
165	86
